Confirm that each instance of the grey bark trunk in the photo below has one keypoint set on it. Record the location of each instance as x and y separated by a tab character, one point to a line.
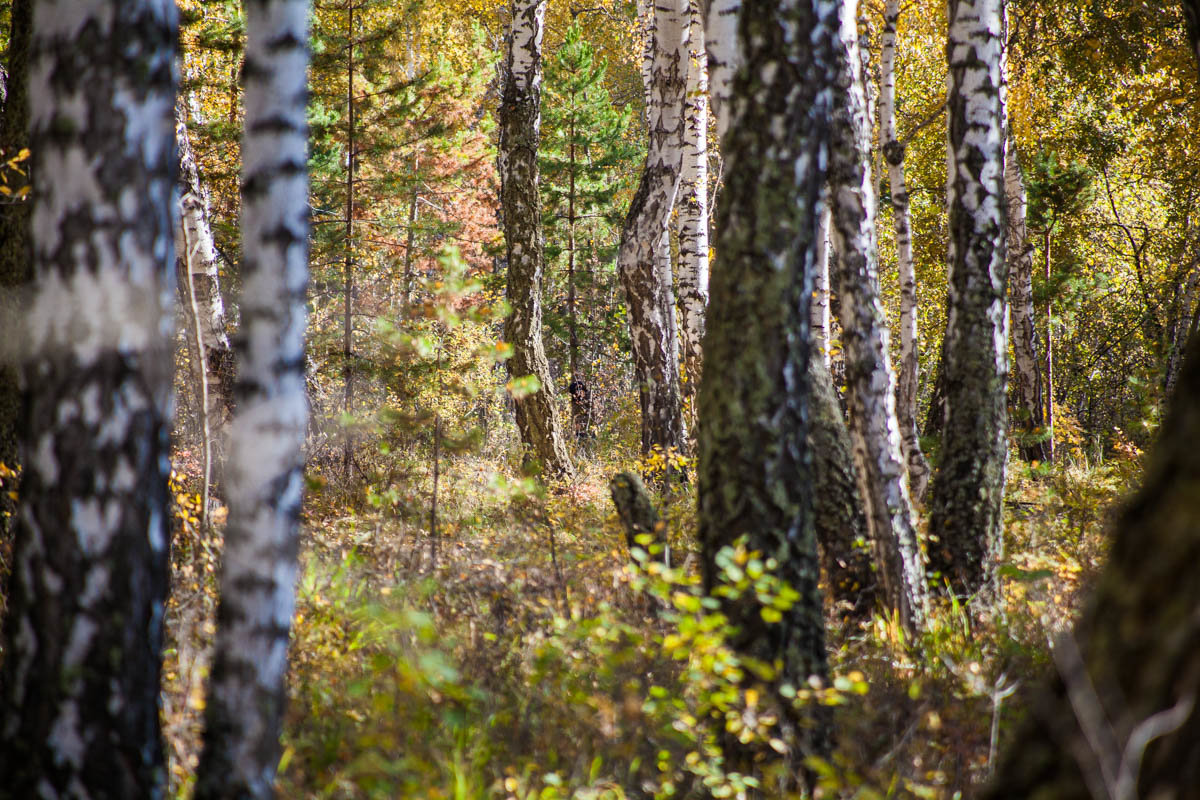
264	471
84	630
838	508
893	154
871	384
968	490
646	281
1026	376
692	208
755	466
520	135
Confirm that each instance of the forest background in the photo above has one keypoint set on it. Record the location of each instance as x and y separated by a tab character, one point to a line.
461	629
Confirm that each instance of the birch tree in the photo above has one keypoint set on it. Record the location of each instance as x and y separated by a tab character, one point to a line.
520	133
755	397
264	471
873	425
84	631
199	279
968	490
893	154
645	274
692	205
724	57
1024	333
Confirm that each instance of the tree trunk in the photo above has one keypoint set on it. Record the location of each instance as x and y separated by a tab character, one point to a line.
245	702
821	319
841	523
968	491
755	466
869	378
348	271
724	57
197	263
15	260
692	208
520	134
893	154
1024	337
640	260
84	631
1048	375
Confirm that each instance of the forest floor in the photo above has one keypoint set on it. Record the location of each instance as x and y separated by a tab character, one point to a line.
517	654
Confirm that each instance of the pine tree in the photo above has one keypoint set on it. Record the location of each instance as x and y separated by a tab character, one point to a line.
585	145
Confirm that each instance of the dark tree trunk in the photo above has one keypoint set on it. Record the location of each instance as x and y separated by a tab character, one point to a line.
245	703
520	134
841	524
83	636
968	490
15	262
755	403
1121	717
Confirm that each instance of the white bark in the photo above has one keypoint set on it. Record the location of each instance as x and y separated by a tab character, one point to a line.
893	153
84	626
968	491
724	57
874	428
821	321
650	304
692	207
265	466
520	137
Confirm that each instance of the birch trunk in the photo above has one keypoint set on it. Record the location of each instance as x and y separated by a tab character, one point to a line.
724	57
872	385
520	135
692	208
893	154
639	261
821	319
968	490
264	471
84	629
197	264
755	398
14	233
1024	335
838	515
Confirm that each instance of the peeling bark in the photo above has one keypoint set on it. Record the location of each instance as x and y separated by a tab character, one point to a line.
520	135
1026	377
871	384
755	465
264	471
968	490
893	154
692	208
83	636
644	276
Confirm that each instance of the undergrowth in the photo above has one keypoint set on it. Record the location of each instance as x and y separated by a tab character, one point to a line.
532	657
